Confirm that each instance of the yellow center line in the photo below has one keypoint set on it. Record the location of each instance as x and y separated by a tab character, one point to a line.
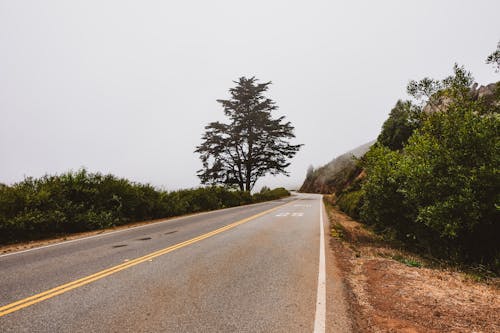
25	302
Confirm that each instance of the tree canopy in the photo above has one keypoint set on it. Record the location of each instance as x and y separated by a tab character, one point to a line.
251	145
397	129
494	58
441	190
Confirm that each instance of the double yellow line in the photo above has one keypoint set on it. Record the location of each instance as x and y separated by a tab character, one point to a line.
23	303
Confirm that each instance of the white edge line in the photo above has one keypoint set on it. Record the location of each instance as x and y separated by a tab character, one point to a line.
131	228
320	317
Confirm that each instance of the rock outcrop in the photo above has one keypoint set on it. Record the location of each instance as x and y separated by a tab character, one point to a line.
488	93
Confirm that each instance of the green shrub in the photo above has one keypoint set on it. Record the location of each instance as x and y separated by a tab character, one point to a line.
451	177
266	195
403	120
441	192
385	205
350	202
81	201
410	262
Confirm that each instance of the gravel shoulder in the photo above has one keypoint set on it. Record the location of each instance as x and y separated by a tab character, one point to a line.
389	290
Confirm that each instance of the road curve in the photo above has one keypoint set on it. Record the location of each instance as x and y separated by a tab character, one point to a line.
246	269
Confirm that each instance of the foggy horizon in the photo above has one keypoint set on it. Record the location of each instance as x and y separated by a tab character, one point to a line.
128	87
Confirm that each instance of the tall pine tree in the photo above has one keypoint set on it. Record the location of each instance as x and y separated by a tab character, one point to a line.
251	145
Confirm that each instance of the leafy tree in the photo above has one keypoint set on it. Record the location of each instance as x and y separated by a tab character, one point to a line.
403	120
385	205
264	189
423	89
494	58
441	191
450	175
251	145
432	92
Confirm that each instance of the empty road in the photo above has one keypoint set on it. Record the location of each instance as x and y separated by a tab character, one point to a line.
245	269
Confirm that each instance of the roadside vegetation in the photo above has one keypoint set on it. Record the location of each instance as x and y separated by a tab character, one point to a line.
431	180
82	201
392	289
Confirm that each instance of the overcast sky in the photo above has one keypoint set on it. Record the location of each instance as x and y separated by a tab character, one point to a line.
126	87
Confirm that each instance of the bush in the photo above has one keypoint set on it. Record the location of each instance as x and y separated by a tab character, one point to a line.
403	120
451	177
441	192
81	201
267	195
350	202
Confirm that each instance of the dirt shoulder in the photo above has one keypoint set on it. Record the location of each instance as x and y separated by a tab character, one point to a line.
390	290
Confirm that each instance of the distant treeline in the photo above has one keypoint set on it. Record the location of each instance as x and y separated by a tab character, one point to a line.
432	178
81	201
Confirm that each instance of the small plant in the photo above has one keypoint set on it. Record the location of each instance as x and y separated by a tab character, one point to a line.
479	273
337	233
410	262
475	277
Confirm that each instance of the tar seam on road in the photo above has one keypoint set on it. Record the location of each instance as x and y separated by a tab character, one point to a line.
23	303
320	317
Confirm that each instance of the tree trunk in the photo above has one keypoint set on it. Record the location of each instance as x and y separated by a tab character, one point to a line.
249	162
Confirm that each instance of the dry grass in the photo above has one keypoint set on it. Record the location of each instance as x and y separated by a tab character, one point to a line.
395	291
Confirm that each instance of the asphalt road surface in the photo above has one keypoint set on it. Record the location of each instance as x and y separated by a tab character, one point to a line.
255	268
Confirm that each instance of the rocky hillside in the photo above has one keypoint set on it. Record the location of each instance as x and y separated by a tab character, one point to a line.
488	93
342	171
335	175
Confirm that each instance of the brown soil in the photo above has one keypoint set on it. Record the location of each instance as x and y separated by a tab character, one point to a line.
386	295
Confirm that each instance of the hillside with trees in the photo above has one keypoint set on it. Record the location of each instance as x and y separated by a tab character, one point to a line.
431	180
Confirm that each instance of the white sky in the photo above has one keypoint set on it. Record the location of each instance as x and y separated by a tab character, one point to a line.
127	86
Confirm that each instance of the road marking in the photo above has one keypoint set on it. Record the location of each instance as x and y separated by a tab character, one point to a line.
173	219
283	214
23	303
320	318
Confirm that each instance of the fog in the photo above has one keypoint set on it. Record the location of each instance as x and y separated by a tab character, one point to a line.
126	87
